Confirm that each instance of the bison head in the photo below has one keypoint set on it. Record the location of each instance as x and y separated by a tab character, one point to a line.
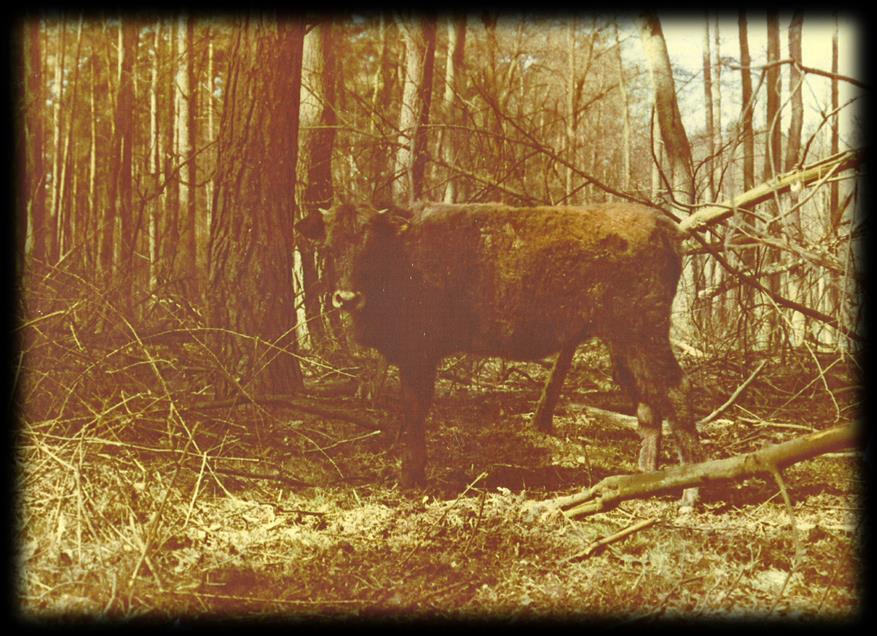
363	247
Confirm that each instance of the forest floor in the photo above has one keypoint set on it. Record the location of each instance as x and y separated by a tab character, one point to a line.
273	511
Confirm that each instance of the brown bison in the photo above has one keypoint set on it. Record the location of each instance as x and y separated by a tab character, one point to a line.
518	283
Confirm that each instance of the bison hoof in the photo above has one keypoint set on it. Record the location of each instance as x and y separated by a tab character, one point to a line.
690	497
410	479
543	424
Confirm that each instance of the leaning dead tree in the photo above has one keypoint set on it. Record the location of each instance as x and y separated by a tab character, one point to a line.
767	461
819	171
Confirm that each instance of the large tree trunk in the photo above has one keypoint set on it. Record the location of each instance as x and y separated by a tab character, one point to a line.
250	282
677	149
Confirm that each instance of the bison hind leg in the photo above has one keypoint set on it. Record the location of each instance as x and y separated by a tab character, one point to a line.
631	372
544	414
659	387
682	423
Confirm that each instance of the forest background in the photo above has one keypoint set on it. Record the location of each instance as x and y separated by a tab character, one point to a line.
162	162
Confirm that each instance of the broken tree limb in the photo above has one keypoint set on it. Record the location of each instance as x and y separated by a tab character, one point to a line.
804	176
609	492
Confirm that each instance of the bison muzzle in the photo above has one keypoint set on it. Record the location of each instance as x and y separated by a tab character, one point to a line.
519	283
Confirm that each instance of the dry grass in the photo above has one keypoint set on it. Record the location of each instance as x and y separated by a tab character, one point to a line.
140	497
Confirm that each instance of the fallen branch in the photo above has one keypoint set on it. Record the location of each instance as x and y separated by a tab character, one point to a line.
611	491
602	542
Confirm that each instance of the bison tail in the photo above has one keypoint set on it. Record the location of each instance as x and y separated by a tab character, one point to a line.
668	238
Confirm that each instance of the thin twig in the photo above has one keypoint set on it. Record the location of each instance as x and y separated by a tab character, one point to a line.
734	396
602	542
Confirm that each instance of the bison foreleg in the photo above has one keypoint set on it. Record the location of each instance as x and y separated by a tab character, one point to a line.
548	400
418	384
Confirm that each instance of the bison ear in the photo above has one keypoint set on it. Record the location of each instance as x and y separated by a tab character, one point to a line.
313	226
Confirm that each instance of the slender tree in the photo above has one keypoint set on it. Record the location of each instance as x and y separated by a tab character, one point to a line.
773	156
152	163
747	104
184	90
32	232
453	106
667	108
625	103
381	117
709	110
834	195
420	41
793	144
318	120
58	84
571	109
119	228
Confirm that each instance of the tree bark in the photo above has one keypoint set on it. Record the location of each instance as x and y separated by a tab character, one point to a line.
625	130
250	283
420	41
708	111
152	165
835	119
746	94
773	156
185	111
51	237
319	73
793	146
453	106
571	106
667	108
382	119
32	190
121	254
